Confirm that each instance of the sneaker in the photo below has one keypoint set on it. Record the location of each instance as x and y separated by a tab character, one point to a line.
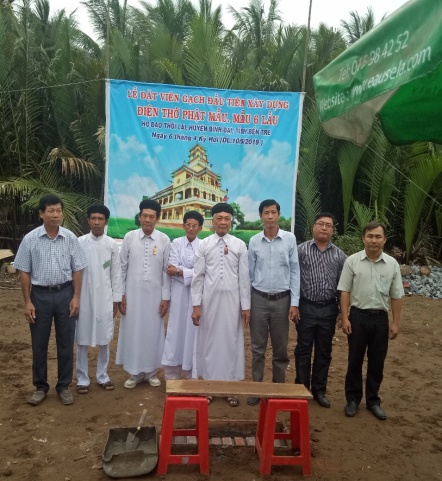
154	381
37	397
66	397
134	380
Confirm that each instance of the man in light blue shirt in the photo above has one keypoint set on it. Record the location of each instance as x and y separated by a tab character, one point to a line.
275	279
50	260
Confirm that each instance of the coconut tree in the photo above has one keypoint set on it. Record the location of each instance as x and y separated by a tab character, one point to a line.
358	25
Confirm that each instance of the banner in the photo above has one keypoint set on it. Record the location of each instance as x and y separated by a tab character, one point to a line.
189	148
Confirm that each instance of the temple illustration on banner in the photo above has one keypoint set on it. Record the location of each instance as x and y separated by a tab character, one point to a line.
195	186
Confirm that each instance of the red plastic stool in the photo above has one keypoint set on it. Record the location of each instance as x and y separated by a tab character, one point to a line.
299	434
201	431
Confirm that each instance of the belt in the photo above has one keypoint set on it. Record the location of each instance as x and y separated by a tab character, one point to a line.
320	303
370	312
271	297
57	288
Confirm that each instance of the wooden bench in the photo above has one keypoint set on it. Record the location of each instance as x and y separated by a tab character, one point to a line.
187	394
193	387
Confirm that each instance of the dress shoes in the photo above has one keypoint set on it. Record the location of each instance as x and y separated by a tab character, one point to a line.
377	411
351	409
322	400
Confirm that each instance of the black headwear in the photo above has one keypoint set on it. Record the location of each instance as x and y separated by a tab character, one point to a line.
195	215
150	204
98	209
222	207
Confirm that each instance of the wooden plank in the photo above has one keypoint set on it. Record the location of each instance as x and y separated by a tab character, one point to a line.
192	387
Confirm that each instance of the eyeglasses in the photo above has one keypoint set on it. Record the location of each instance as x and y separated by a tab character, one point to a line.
327	225
191	226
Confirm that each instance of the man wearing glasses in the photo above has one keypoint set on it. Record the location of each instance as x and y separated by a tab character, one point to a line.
321	265
179	346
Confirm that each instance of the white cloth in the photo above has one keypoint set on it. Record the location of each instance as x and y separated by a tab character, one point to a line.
221	286
145	283
101	286
180	337
82	365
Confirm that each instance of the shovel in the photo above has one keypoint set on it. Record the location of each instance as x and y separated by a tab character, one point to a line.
132	440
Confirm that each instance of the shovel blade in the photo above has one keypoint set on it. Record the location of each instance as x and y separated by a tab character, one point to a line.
132	442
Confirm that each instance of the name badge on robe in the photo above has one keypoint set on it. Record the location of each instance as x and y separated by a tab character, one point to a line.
154	251
226	250
106	264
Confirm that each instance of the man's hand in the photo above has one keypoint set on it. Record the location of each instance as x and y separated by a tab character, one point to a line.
115	308
339	321
172	271
196	315
245	315
164	307
74	306
30	312
394	330
346	326
122	305
294	315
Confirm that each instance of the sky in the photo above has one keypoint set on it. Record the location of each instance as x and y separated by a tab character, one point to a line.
292	11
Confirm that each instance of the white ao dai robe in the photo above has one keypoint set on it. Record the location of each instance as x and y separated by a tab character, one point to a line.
180	337
221	286
101	286
145	283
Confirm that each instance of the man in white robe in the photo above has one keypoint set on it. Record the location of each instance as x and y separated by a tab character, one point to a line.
146	292
179	350
221	301
101	291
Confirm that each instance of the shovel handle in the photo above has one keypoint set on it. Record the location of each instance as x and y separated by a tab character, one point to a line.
142	418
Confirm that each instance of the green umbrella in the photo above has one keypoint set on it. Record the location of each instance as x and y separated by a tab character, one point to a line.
395	71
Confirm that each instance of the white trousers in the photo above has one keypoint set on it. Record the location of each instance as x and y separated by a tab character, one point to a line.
174	372
102	363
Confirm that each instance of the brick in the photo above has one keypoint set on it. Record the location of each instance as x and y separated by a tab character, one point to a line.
227	442
216	441
240	441
250	441
279	443
179	440
191	440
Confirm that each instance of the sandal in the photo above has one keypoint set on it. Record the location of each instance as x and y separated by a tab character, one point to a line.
209	399
107	386
82	389
232	401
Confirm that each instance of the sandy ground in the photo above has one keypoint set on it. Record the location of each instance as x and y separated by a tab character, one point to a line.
55	442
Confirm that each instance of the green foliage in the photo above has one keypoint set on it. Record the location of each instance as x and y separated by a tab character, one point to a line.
350	244
52	108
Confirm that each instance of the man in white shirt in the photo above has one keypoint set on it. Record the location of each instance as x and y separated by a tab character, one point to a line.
221	301
146	292
180	338
100	295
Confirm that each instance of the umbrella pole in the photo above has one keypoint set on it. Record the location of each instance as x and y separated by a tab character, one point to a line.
307	40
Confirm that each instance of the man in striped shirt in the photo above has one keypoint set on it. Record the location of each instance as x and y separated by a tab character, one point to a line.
321	263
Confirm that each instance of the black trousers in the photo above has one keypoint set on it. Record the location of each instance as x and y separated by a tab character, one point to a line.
315	330
369	334
52	306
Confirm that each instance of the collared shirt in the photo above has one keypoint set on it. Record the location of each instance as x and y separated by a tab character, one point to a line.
221	264
182	254
50	261
320	270
273	264
371	284
148	256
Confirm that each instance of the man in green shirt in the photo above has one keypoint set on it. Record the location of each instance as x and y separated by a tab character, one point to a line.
370	281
